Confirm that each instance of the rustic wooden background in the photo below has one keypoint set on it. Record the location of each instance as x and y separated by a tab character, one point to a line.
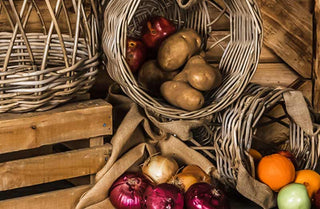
287	55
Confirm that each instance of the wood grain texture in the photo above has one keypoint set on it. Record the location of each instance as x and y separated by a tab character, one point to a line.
70	122
49	168
274	74
61	199
288	32
306	4
316	57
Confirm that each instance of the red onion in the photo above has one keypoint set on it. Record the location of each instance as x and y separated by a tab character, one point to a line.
205	196
163	196
127	191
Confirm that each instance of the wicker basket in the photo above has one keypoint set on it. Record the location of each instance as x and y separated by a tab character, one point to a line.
251	119
49	52
123	18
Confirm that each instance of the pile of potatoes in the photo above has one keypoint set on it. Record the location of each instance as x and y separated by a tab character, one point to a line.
180	74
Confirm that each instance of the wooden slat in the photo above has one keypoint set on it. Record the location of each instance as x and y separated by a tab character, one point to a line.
316	58
215	54
306	4
61	199
288	32
274	74
70	122
49	168
95	142
306	89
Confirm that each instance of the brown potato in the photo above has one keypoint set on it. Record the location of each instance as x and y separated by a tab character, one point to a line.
151	77
200	75
182	95
175	51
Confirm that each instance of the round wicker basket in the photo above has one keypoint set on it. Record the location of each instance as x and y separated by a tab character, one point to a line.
123	18
242	125
49	52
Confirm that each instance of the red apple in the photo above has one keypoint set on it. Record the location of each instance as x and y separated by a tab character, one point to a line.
157	30
290	156
136	54
316	199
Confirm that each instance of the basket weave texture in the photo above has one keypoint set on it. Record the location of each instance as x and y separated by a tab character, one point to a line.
123	18
48	52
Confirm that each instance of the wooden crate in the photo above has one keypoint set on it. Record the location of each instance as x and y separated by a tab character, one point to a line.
28	152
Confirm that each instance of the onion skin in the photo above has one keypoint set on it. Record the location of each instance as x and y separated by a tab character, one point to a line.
205	196
184	181
163	196
159	169
197	172
127	191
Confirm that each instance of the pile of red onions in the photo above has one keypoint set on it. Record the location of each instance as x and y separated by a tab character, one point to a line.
143	191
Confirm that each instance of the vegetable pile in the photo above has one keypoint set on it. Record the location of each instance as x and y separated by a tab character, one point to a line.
296	189
159	185
168	64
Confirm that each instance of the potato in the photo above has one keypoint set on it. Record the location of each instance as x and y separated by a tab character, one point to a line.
151	77
200	75
182	95
175	51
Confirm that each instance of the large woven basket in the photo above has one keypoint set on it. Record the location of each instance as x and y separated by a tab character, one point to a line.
48	52
123	18
260	113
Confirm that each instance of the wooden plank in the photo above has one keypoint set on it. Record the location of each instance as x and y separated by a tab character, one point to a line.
61	199
306	89
215	54
49	168
316	57
70	122
274	74
94	142
288	32
306	4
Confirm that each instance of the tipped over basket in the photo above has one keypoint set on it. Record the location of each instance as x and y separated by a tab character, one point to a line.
268	120
49	52
123	18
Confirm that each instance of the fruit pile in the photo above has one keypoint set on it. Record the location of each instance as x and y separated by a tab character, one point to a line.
169	63
160	185
296	189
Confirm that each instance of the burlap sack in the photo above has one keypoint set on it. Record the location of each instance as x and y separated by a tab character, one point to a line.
134	141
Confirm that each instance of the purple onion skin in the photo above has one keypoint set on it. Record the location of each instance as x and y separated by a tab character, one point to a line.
127	191
205	196
163	196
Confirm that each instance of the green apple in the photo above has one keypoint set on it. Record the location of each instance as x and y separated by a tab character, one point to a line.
294	196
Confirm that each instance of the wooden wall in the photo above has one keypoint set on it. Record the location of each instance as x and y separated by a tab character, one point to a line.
286	58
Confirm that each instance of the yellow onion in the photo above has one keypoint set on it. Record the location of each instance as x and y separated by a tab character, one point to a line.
159	169
197	172
184	180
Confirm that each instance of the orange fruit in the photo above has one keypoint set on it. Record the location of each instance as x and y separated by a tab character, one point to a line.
276	171
310	179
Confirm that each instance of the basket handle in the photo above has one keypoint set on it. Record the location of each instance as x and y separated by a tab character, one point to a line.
186	4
